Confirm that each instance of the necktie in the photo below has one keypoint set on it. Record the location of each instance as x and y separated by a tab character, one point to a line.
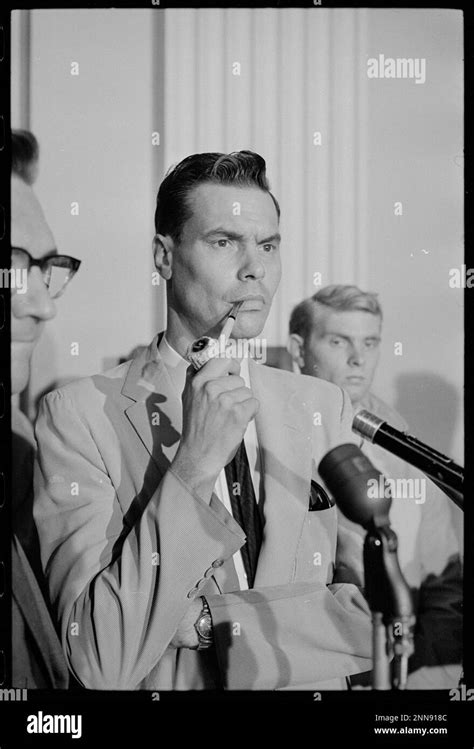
245	509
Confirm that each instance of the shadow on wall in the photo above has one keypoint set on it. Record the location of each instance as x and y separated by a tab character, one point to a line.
431	405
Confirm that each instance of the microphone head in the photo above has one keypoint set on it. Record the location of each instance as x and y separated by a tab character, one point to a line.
366	425
356	485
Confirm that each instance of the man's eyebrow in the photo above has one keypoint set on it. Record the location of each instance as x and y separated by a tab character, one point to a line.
48	253
222	230
338	335
349	338
235	235
274	238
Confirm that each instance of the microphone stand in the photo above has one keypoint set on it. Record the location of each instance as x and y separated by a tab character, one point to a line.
390	601
346	471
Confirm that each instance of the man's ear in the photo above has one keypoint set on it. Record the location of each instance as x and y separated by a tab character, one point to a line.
163	247
295	347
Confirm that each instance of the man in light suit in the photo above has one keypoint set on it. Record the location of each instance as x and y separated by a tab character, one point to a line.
155	582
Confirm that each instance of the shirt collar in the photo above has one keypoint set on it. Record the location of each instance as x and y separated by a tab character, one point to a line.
170	356
177	365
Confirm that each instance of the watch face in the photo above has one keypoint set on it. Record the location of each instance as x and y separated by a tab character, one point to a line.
204	626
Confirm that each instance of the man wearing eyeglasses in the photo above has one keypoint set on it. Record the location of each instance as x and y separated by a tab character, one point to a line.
38	661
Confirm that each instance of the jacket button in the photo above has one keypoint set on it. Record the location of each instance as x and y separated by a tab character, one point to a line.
218	563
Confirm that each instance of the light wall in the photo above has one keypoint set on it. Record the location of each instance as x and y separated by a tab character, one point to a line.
302	71
268	80
416	136
95	134
272	80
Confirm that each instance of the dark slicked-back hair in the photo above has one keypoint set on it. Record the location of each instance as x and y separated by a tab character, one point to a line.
25	153
243	168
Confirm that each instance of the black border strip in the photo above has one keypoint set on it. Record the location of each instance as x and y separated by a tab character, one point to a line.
5	383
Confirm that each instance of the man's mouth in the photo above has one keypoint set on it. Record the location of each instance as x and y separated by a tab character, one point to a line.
25	340
29	334
251	303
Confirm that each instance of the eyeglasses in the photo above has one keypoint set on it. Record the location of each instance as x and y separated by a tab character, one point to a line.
57	270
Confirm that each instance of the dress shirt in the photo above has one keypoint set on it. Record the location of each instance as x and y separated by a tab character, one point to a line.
176	366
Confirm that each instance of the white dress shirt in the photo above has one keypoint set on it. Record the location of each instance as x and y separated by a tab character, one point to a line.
176	366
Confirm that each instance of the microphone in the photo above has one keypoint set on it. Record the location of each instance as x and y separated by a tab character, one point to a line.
443	471
346	471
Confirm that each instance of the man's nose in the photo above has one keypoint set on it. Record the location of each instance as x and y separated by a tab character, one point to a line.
356	356
36	301
252	266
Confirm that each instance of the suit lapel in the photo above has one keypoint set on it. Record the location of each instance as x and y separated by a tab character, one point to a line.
156	416
156	413
283	425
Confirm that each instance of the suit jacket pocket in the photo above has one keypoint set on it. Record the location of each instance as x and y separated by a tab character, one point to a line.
319	499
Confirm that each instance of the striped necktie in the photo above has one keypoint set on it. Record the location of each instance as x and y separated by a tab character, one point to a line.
245	509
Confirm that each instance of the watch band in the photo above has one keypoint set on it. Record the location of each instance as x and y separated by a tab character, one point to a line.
203	627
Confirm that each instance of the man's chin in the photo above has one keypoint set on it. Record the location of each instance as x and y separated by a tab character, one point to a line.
19	381
356	392
20	372
246	329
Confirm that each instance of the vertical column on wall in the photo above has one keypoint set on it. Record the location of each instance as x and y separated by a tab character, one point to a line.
361	118
20	68
181	101
266	120
292	157
212	80
346	95
158	141
289	84
318	142
240	62
265	103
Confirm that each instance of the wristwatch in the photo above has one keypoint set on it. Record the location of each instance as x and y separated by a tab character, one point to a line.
203	627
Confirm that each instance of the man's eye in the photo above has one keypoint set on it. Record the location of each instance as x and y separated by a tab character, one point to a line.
268	247
223	243
336	341
371	344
